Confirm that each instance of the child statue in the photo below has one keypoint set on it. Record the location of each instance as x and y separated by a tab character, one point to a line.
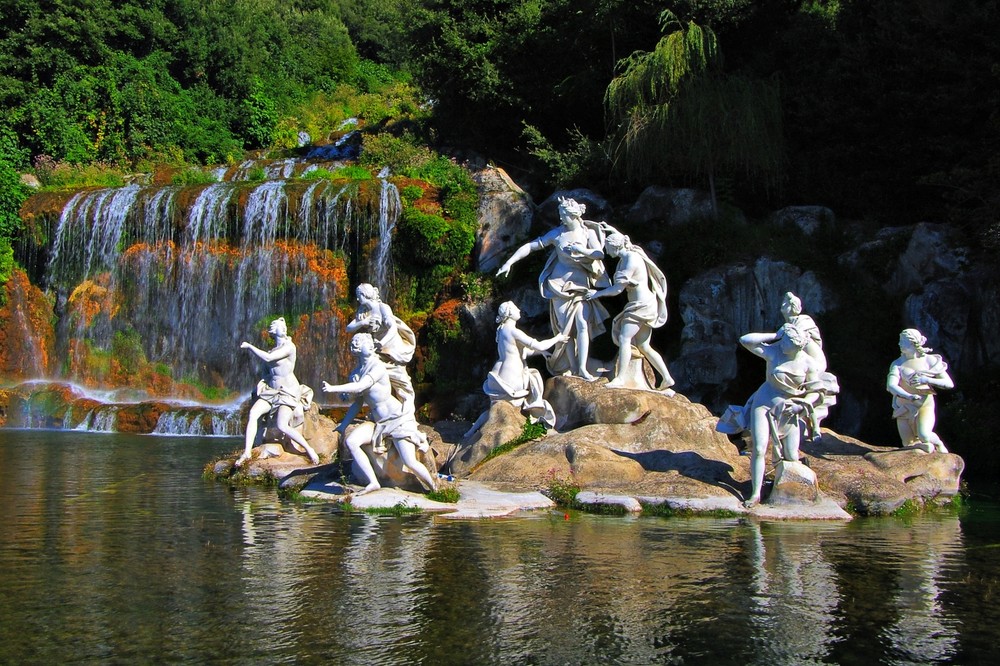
279	393
912	380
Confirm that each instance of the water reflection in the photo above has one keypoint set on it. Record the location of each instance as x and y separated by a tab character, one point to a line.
117	551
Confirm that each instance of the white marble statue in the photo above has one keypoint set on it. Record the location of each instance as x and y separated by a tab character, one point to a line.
791	310
574	268
912	381
388	418
394	340
646	309
511	379
793	399
279	393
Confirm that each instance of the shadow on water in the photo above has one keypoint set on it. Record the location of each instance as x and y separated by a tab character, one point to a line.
117	551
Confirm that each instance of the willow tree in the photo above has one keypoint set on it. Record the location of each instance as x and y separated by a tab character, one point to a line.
677	113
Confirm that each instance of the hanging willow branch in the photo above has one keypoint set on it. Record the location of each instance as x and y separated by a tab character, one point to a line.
677	114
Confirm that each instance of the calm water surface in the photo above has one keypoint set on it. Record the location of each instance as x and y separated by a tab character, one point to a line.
114	550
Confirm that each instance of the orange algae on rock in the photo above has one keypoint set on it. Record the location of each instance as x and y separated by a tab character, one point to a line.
27	336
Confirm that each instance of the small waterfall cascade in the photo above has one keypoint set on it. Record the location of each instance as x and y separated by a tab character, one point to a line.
174	278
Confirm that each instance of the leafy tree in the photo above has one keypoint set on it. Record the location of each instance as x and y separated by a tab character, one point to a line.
679	113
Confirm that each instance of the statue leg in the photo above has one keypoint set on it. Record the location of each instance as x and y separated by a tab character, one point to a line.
642	341
480	422
926	419
284	425
408	454
582	340
625	335
259	409
760	433
362	434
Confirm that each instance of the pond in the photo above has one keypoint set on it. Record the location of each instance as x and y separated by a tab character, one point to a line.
115	550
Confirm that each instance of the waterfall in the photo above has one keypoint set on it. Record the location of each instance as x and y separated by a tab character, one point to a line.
389	208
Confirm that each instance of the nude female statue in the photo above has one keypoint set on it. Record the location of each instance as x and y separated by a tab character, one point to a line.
279	392
793	398
573	270
647	307
912	380
393	338
511	379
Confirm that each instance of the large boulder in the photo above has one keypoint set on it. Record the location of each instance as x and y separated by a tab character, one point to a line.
659	449
658	205
807	219
505	212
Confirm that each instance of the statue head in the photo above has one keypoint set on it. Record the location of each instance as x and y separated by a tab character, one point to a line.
507	310
912	337
791	306
795	336
616	243
362	342
368	291
278	328
570	209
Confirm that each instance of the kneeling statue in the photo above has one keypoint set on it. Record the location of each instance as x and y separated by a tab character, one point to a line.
279	393
389	420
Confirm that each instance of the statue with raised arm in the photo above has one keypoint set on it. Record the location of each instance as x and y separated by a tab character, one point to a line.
791	311
631	330
793	399
370	382
394	340
279	393
913	379
575	267
511	379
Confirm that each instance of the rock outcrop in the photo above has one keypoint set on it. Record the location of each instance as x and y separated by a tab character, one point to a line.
658	449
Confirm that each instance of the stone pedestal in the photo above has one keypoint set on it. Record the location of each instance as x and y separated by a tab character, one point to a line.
794	483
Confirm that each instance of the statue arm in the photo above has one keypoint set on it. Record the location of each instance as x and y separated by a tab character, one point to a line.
893	385
754	342
276	354
359	386
518	255
936	375
528	342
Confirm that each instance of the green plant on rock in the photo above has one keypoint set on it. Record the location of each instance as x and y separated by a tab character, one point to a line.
446	493
562	491
398	509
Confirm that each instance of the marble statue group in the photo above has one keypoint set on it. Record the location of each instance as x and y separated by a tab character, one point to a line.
787	409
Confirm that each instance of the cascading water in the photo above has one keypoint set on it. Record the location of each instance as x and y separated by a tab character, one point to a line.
185	273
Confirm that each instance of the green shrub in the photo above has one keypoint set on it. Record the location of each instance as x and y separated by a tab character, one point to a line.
447	494
193	177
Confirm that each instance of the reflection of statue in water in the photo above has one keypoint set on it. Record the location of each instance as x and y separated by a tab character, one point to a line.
280	393
511	379
912	379
573	269
794	397
791	310
393	338
646	309
370	381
